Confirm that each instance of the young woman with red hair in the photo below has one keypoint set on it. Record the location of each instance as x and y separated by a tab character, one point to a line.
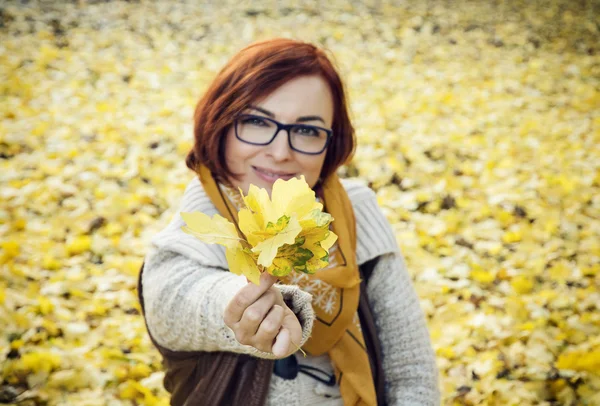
278	110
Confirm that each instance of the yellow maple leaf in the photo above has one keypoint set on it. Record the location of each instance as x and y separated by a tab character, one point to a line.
293	197
215	230
242	263
284	232
258	202
328	242
251	224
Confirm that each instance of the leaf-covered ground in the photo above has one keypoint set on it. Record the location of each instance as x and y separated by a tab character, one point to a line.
479	128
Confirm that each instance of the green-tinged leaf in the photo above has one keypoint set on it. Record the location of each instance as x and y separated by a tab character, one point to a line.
288	258
271	229
321	219
314	235
315	264
267	249
280	225
318	241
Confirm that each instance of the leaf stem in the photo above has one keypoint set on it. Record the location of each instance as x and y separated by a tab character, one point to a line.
299	349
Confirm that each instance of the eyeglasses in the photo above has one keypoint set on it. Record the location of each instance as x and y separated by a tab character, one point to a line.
258	130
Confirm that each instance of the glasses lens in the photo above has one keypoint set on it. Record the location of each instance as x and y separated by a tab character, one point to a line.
308	139
255	130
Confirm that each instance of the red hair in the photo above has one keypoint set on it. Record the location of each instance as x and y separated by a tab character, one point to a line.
254	72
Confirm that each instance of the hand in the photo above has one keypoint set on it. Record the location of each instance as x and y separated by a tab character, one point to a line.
260	318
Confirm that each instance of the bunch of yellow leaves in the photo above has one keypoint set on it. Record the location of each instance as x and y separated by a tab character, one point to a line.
289	232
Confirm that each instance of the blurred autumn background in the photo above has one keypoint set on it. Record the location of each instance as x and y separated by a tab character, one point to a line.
479	129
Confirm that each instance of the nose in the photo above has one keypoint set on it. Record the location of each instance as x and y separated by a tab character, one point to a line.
280	149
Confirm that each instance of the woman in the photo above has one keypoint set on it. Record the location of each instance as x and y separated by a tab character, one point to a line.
276	111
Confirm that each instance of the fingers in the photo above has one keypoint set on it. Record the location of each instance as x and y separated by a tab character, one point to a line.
269	329
259	317
291	325
288	337
255	314
246	297
278	332
282	343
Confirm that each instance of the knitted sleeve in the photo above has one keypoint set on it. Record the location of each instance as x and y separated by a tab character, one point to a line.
185	300
408	358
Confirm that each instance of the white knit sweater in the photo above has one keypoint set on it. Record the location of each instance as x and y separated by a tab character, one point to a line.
186	290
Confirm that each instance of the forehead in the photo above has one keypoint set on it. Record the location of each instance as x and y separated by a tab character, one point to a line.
301	96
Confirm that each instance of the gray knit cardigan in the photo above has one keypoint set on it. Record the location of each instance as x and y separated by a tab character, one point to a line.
186	291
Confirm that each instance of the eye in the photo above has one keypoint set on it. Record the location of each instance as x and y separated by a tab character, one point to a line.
306	131
256	121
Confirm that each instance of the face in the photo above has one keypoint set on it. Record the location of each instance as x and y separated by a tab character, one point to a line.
306	100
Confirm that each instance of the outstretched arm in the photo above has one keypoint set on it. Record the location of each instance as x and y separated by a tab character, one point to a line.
185	303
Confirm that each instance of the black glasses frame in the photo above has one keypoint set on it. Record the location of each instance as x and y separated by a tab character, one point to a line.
287	128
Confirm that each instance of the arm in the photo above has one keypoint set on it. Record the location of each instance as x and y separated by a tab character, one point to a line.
408	358
185	301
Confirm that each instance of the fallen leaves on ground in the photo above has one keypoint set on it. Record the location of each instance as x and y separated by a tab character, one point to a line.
478	127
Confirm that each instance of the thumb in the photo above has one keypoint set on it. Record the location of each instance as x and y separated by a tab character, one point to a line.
266	281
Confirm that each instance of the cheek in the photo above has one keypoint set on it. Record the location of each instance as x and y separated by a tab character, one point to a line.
236	152
312	166
229	148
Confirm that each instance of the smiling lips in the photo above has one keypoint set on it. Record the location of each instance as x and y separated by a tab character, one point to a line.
271	176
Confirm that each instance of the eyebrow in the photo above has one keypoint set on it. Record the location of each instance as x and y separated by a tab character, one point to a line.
298	120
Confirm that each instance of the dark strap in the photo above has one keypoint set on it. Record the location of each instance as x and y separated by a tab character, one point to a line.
369	330
197	378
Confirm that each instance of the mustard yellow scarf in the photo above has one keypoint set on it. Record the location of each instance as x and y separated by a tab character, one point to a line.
335	290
